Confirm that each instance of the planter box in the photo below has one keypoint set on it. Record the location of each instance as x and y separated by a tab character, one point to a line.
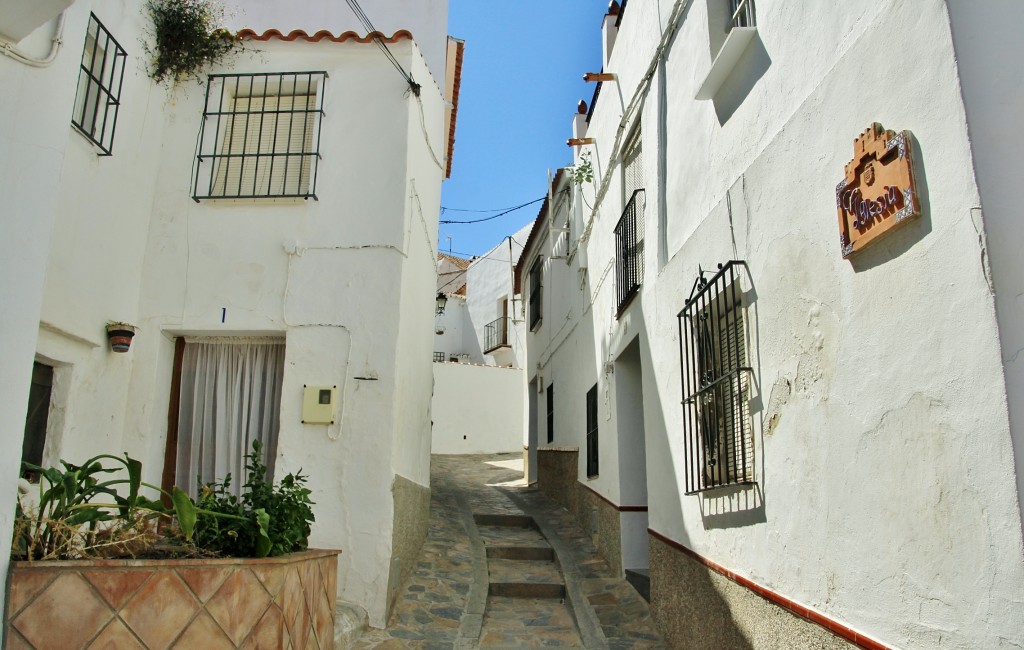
280	602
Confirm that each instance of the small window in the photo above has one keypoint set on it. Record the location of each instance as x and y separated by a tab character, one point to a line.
592	446
260	136
716	383
551	413
439	357
535	293
100	77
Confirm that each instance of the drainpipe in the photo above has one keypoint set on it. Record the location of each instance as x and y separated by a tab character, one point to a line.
10	49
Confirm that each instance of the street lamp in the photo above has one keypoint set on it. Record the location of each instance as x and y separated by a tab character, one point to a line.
442	300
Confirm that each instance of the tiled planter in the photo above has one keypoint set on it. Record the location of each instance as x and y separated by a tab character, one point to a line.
281	602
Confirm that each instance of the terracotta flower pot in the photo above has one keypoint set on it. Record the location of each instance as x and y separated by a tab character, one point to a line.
120	335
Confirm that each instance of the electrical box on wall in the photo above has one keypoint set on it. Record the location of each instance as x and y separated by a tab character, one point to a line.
318	404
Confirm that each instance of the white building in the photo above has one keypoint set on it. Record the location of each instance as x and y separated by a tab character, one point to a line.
842	467
315	273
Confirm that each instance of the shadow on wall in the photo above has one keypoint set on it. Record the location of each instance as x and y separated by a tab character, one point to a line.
752	65
903	238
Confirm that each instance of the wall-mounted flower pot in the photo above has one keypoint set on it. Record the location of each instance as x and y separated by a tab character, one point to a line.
120	336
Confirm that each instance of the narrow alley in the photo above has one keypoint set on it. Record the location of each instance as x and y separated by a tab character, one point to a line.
504	567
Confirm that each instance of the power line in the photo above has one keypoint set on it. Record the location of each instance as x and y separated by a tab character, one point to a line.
500	214
368	26
444	209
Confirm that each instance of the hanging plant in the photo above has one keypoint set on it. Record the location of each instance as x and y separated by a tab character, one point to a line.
188	37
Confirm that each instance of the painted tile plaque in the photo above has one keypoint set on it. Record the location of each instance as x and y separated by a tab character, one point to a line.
879	191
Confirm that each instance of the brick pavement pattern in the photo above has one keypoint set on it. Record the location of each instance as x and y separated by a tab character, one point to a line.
505	567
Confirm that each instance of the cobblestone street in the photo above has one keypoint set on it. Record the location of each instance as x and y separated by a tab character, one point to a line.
504	567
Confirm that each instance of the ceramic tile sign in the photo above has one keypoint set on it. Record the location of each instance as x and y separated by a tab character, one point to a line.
878	192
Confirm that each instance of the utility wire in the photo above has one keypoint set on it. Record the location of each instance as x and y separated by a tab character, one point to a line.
500	214
368	26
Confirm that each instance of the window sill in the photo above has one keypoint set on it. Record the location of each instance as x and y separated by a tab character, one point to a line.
735	45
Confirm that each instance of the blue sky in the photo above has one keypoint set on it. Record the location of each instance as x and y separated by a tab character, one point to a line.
521	80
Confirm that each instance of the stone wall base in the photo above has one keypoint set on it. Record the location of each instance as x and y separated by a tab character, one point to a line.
408	532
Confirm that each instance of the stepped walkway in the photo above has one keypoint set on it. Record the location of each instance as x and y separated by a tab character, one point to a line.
504	567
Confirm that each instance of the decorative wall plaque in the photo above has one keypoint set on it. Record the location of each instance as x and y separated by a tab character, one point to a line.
879	191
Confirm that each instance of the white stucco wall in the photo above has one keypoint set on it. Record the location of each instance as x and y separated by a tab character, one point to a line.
458	338
490	280
890	423
346	280
477	409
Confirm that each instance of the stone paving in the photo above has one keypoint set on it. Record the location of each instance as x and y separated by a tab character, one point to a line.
446	605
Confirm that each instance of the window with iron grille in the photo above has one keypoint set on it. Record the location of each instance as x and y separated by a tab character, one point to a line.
742	14
535	292
100	77
439	357
551	413
629	231
260	136
717	430
592	464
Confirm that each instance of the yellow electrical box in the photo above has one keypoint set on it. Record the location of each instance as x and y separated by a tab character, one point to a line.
318	404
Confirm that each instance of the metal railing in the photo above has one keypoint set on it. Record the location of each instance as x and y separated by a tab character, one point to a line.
629	250
717	433
100	77
496	334
742	13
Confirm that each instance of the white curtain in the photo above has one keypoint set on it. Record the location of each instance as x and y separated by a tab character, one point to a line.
230	396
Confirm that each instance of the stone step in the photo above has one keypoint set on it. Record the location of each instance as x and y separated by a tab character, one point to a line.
526	553
505	536
527	590
510	521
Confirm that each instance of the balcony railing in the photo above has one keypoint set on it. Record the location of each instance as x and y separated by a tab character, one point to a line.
742	13
629	250
496	334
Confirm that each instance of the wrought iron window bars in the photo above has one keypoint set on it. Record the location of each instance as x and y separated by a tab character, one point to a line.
260	136
717	430
629	251
100	77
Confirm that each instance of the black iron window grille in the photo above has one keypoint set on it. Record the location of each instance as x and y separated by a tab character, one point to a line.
439	357
592	464
717	432
535	292
260	136
100	77
742	13
551	413
629	250
496	334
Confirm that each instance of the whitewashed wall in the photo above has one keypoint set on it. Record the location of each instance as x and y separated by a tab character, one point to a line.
477	409
347	279
890	420
490	280
457	336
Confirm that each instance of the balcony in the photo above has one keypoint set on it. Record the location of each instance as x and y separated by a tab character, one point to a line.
629	251
496	335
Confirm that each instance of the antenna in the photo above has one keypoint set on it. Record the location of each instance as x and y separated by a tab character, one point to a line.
449	238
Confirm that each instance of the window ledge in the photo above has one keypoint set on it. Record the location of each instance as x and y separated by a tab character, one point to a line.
735	45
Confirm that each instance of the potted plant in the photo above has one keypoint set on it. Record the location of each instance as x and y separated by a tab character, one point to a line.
91	565
120	335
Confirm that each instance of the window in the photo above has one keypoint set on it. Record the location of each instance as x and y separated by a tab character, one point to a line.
535	293
551	413
260	136
629	231
592	464
742	12
716	383
36	418
100	77
439	357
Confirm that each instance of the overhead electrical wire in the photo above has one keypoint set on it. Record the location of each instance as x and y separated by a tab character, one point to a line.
368	26
495	216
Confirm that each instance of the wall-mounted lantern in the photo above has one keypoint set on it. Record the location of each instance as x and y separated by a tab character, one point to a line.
442	300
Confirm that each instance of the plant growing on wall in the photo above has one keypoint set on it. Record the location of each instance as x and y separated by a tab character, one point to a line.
582	172
187	37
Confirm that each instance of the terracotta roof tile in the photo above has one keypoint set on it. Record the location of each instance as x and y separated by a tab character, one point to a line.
460	262
459	50
250	34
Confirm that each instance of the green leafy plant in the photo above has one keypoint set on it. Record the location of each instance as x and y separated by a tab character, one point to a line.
84	511
188	37
583	171
267	520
